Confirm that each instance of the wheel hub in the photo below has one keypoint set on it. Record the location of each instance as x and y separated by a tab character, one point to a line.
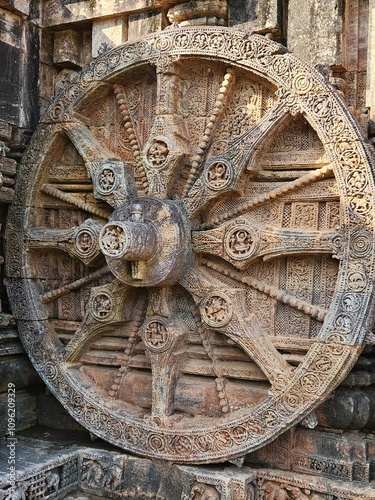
147	242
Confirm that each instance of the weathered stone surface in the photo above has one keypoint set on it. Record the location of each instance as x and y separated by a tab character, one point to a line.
314	31
21	6
107	34
331	465
16	370
5	130
60	12
25	411
70	467
200	12
67	48
255	15
53	415
370	88
143	24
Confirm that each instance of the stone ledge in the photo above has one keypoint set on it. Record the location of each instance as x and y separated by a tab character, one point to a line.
56	466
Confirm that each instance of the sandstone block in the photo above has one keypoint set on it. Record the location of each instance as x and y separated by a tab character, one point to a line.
67	48
107	34
143	24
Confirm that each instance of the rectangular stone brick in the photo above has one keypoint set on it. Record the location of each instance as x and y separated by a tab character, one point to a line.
5	131
59	12
107	34
25	411
67	48
141	25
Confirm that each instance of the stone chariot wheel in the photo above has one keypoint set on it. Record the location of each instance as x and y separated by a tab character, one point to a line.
190	250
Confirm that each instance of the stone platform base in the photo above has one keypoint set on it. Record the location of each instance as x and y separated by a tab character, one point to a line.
54	465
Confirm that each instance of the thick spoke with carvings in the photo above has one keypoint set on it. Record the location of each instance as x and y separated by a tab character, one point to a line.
163	334
86	143
167	147
108	306
222	172
223	309
80	241
241	242
109	176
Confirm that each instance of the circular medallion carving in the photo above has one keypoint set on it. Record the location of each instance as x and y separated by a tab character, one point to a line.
113	240
218	175
157	154
101	305
240	242
106	180
156	335
199	241
216	310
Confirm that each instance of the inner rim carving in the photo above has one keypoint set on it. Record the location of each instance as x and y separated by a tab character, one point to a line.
211	266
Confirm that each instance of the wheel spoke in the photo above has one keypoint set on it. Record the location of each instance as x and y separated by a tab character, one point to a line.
109	175
165	152
80	242
140	177
242	241
163	334
74	200
75	285
212	123
108	307
223	309
304	180
311	310
222	172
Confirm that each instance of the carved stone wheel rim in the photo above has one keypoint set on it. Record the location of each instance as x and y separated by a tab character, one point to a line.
293	392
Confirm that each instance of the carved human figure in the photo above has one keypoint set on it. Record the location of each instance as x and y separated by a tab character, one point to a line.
106	179
240	242
275	491
102	305
202	491
296	493
217	175
157	154
94	473
84	241
114	477
216	309
112	240
156	334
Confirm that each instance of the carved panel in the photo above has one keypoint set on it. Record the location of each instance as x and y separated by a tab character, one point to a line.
181	297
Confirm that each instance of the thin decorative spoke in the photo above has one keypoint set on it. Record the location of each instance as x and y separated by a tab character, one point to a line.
74	200
130	128
75	285
212	123
315	175
311	310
